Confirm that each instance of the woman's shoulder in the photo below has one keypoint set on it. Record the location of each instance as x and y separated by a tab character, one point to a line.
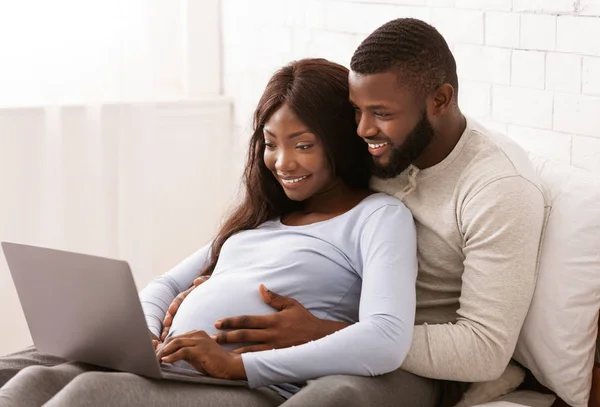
379	200
381	206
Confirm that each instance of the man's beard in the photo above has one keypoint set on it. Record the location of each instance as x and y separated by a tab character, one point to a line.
405	154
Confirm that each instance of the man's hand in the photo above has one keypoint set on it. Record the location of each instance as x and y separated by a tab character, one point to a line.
291	325
200	351
175	306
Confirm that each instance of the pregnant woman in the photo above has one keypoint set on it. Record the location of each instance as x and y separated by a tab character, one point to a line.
308	228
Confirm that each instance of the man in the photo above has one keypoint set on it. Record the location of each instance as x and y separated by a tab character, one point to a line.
479	213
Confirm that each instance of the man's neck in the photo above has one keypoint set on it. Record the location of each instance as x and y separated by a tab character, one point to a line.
447	135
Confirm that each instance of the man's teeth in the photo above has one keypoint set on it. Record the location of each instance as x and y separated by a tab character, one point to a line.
377	145
294	180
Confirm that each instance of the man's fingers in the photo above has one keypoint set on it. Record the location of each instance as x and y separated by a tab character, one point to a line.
252	348
245	322
279	302
241	336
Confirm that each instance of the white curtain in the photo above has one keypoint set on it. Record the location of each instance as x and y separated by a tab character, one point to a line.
88	51
114	140
147	183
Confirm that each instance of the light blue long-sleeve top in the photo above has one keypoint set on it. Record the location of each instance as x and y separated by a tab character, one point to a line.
359	267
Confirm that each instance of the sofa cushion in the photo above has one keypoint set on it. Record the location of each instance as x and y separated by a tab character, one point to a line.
558	339
522	398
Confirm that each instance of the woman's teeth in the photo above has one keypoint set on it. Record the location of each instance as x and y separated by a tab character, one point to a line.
293	180
377	145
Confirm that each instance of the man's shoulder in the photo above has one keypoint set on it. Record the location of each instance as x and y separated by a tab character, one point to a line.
491	156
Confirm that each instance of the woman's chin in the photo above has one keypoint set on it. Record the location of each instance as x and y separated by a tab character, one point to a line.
296	196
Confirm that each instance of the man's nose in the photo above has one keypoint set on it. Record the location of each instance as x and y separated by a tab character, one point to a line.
366	126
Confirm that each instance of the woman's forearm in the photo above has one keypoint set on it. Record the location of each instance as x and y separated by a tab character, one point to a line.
160	292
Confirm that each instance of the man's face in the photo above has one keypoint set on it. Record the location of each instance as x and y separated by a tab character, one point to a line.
391	119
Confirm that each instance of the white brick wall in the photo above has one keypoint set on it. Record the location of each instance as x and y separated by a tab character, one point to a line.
486	64
502	29
591	76
527	107
578	34
563	72
544	6
470	29
529	68
538	31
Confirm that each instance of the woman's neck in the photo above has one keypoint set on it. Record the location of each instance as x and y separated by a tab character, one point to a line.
337	198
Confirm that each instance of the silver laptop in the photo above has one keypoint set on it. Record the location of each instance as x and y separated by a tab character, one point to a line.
86	309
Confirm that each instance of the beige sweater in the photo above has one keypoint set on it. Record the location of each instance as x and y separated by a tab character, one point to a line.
479	215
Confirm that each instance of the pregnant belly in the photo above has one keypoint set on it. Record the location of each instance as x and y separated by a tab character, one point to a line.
220	297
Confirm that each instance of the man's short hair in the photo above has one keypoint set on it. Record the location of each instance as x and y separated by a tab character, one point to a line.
414	49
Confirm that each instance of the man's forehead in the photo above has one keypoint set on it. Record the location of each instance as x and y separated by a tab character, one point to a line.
376	89
358	79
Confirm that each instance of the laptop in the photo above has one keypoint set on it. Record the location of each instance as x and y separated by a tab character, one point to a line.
86	309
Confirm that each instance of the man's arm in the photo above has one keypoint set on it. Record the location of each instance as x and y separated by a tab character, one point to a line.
502	227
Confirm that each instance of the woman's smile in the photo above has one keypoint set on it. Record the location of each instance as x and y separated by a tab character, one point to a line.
293	182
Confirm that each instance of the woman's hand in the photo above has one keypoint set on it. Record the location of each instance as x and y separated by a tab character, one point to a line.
291	325
155	340
175	306
207	356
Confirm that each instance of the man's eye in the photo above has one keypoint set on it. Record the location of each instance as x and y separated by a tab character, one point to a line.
381	114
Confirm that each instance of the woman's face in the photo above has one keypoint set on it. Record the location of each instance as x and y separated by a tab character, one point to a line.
296	156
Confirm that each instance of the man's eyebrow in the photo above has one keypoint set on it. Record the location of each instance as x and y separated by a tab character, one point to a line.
293	135
372	107
377	107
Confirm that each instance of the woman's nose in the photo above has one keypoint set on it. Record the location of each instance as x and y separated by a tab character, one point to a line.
286	162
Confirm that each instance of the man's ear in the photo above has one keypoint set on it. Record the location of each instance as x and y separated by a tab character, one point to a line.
441	99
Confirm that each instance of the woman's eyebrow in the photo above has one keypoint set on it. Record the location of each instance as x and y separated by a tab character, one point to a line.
293	135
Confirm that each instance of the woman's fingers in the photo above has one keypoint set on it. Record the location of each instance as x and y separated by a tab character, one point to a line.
180	354
192	338
173	308
200	280
164	333
177	302
174	345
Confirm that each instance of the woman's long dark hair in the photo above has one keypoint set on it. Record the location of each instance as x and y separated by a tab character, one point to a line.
316	90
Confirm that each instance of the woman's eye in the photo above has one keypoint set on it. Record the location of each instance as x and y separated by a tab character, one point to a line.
304	147
269	145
